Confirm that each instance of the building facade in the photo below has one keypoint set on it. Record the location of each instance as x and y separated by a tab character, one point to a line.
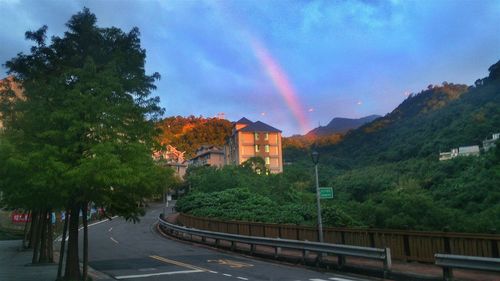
255	139
472	150
208	156
173	158
491	143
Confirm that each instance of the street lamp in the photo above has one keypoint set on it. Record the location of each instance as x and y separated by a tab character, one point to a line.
315	159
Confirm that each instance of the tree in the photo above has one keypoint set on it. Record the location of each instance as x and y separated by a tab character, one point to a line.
88	111
256	164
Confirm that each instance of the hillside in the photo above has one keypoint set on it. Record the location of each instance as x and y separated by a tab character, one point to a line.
438	118
189	133
340	125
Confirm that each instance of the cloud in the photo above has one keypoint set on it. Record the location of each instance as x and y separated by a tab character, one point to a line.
335	53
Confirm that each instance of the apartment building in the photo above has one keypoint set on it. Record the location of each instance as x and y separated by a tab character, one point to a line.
255	139
208	156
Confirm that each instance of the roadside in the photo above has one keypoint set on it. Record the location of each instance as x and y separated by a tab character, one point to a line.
407	271
15	261
15	264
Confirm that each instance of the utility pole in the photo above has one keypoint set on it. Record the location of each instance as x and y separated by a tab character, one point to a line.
315	158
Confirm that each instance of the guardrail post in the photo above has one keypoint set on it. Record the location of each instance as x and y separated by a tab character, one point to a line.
387	262
203	239
277	252
233	245
447	273
341	261
217	241
252	249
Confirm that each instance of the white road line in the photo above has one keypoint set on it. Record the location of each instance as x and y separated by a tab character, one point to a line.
96	223
317	279
215	272
339	279
113	239
242	278
110	229
228	275
157	274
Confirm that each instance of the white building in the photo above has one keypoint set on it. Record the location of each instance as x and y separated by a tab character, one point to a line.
490	143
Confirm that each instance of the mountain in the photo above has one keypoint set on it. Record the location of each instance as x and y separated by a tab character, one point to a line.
341	125
189	133
436	119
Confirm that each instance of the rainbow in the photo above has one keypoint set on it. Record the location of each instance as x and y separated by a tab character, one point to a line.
280	82
270	66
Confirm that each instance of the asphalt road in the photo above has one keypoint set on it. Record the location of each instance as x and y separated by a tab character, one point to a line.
127	251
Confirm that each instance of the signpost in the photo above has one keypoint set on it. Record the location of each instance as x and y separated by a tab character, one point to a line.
326	192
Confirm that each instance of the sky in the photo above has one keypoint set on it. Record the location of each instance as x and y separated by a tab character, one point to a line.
291	64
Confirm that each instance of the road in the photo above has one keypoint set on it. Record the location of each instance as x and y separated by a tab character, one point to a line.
127	251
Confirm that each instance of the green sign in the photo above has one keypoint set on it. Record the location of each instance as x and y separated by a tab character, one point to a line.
326	192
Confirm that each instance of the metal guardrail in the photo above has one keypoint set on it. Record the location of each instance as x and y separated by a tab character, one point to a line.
448	262
340	251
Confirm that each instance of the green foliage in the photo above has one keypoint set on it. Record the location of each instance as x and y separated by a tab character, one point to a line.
189	133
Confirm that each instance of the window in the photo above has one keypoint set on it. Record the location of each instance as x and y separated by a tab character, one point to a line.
266	137
256	135
267	147
268	161
257	148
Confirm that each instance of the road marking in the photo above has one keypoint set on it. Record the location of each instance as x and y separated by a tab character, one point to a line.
96	223
242	278
157	274
231	264
215	272
110	229
113	239
339	279
178	263
228	275
317	279
147	269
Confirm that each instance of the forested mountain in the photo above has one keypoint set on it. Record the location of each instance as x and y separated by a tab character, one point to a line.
189	133
438	118
340	125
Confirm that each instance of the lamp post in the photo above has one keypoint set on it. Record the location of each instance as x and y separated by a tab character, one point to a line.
315	159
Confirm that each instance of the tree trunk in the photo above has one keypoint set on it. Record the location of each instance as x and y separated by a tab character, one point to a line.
26	231
43	238
34	221
63	245
50	239
36	237
72	272
85	241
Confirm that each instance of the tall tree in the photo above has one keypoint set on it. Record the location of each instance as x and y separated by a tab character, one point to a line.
89	116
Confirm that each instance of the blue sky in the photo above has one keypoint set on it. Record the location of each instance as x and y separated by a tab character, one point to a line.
337	58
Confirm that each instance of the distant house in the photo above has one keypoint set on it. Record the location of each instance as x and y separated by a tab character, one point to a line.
472	150
171	157
491	143
208	155
255	139
448	155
